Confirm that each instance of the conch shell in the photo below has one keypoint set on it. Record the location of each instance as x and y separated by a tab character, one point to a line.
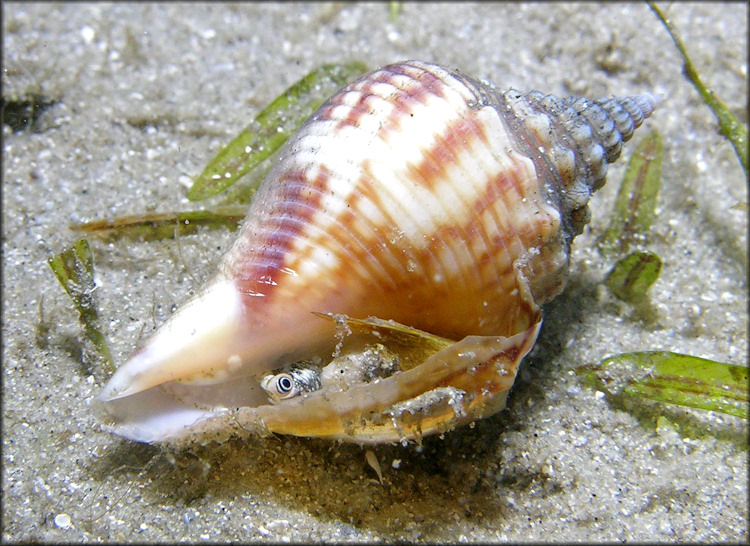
418	207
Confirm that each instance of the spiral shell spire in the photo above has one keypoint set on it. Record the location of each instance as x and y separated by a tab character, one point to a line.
578	138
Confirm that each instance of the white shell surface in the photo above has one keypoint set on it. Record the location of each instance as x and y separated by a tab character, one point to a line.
397	189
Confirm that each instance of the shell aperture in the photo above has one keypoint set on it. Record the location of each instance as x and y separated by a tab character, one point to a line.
415	194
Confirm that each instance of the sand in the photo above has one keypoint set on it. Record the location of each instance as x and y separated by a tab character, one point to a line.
145	94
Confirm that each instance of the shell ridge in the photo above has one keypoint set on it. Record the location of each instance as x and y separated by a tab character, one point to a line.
516	109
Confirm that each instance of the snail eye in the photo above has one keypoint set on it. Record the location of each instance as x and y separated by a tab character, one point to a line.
284	385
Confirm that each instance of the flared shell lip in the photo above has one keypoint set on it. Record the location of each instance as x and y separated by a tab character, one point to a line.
420	401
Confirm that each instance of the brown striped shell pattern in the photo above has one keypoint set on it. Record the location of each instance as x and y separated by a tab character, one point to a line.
414	199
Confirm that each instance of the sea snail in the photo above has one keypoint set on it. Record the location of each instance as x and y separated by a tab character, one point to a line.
418	196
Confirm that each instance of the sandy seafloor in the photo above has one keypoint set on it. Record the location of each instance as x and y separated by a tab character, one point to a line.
145	94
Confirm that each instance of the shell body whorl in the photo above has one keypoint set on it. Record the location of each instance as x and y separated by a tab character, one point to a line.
414	194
